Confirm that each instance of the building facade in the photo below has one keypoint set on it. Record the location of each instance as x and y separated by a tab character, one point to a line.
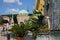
43	6
50	8
54	14
22	16
40	6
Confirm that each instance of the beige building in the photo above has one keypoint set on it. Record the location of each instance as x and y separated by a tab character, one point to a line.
5	18
22	16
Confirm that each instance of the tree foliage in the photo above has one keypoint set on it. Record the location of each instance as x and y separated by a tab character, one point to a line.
15	19
3	21
35	20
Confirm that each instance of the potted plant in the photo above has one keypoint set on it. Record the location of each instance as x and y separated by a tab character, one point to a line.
35	23
19	31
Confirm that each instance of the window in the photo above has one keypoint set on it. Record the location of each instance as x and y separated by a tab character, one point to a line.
43	6
41	9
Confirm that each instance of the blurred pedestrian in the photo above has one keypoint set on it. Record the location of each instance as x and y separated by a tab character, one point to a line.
2	29
8	36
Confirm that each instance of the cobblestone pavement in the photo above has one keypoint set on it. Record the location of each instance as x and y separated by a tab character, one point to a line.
2	37
5	38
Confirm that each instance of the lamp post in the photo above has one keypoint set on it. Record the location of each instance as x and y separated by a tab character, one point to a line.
49	27
48	20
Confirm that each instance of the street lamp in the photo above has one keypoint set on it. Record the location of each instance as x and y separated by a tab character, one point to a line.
48	20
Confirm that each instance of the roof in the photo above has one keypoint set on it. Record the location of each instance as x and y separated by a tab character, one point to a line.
23	12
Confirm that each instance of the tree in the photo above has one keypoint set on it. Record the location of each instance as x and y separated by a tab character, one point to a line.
35	11
35	20
15	19
3	21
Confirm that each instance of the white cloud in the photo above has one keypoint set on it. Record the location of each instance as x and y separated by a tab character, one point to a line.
12	11
13	1
9	1
18	2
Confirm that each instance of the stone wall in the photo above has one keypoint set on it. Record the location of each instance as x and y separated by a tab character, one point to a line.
54	14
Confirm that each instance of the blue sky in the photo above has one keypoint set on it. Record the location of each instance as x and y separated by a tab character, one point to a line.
14	6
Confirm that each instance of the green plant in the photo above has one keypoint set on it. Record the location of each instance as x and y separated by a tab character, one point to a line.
3	21
35	11
15	19
18	30
35	23
34	34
